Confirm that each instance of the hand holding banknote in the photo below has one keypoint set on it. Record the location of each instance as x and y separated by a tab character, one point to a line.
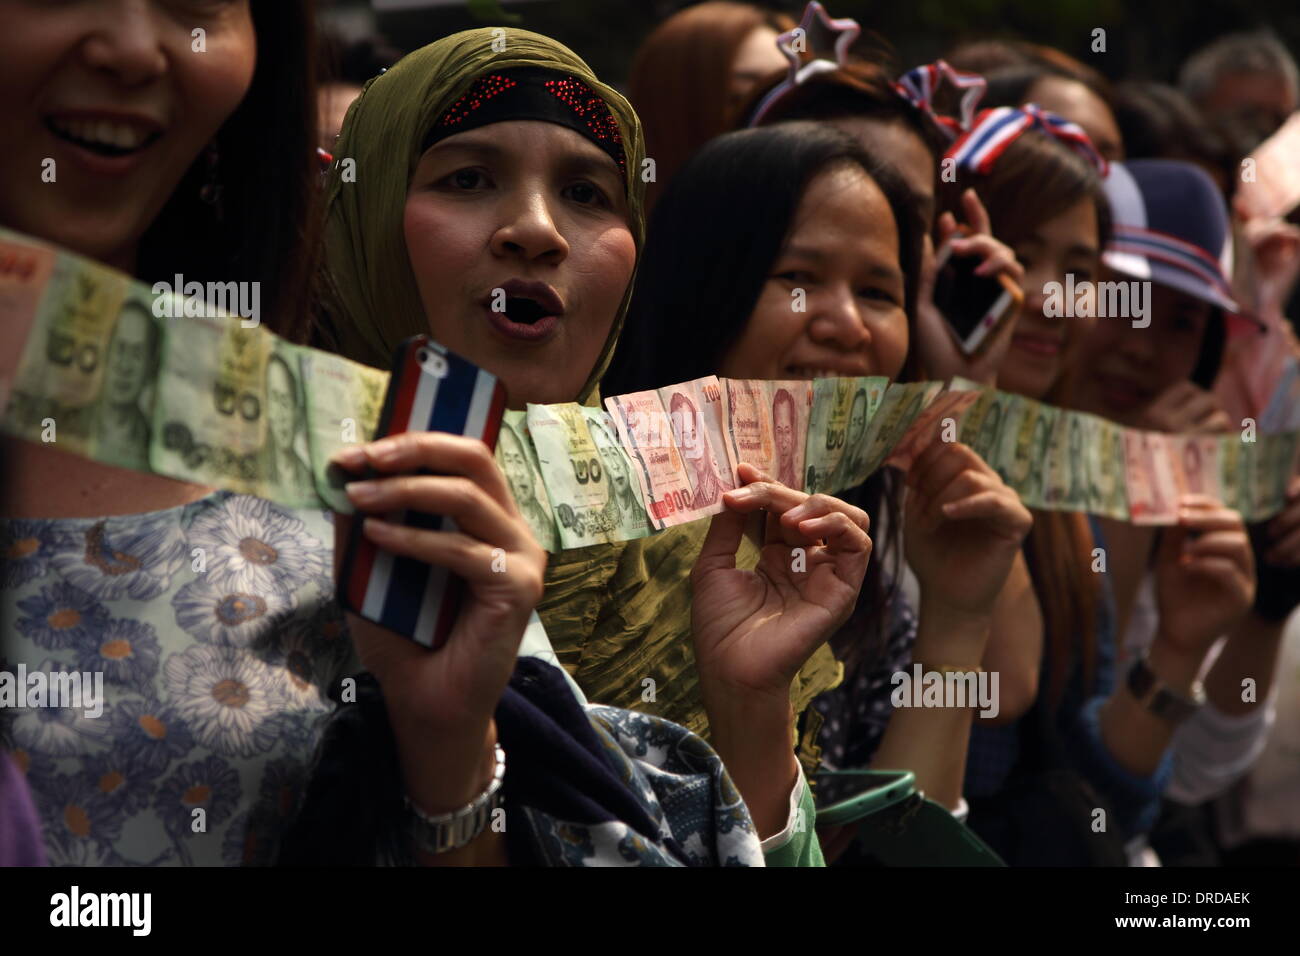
962	528
1205	577
449	694
753	630
1185	407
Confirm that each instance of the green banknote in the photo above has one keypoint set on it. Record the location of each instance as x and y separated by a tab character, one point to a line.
231	411
868	396
574	475
828	429
626	510
63	385
901	406
344	402
518	461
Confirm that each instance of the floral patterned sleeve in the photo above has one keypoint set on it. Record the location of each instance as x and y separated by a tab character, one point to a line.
205	639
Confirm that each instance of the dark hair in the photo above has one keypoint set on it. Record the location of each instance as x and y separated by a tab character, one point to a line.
713	238
269	175
1034	164
356	62
857	89
1157	121
1059	545
681	76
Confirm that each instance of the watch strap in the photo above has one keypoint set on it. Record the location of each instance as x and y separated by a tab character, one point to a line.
1153	694
443	832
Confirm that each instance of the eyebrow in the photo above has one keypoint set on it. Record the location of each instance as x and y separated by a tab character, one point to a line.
589	156
887	272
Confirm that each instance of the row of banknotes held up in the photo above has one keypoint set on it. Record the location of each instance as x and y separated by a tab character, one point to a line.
103	373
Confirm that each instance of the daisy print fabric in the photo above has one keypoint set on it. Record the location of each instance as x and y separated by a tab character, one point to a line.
215	631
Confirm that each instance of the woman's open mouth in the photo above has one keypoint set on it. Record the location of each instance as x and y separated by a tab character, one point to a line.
527	312
108	144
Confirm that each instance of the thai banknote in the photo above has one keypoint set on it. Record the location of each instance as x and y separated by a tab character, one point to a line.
231	412
518	462
1152	489
344	402
897	408
1107	487
940	421
868	396
626	510
788	403
661	480
828	429
1067	476
1195	460
1236	472
63	379
748	422
573	472
696	416
1274	466
26	270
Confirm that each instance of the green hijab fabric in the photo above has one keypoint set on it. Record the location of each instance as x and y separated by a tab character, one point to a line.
373	286
618	616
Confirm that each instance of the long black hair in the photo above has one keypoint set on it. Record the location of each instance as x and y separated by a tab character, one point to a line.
714	236
269	176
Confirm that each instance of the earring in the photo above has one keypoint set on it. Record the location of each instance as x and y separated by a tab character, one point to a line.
210	193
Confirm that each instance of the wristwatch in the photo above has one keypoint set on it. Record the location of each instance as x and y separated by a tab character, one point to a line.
442	832
1155	696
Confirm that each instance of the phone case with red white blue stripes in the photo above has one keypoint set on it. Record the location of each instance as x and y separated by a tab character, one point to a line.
432	389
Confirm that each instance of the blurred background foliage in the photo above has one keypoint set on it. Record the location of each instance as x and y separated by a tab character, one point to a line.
1145	39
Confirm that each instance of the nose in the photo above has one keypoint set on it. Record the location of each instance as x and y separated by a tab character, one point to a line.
837	321
127	43
528	229
1136	344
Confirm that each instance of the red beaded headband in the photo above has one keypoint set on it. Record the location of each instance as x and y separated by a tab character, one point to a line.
532	93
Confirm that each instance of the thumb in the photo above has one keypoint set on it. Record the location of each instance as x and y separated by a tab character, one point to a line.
718	552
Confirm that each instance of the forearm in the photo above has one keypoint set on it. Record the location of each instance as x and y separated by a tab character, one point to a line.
1251	651
752	734
1136	738
443	772
1015	646
932	742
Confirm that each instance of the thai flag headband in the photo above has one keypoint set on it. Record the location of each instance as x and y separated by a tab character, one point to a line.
918	86
994	130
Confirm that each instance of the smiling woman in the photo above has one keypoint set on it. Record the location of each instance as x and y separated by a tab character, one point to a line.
165	160
159	150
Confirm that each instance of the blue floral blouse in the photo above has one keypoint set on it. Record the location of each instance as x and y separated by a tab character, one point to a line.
214	627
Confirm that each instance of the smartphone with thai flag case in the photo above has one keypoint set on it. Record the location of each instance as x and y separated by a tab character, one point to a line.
432	389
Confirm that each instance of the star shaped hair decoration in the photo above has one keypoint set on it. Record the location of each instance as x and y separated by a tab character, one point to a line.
824	39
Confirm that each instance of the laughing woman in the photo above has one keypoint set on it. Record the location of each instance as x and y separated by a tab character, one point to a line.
166	163
518	170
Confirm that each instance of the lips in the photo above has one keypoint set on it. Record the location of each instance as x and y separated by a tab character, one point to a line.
532	310
1040	345
102	141
1120	392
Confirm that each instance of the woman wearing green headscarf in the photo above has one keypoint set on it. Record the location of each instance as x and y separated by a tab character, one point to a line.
487	192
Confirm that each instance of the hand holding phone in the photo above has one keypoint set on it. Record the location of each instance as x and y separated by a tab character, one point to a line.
974	306
432	396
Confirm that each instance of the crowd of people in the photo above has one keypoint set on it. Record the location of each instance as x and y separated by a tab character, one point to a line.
675	699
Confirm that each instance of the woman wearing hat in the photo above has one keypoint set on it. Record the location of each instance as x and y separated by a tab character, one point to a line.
1171	230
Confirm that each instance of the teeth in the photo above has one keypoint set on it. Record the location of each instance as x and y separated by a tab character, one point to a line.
103	132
